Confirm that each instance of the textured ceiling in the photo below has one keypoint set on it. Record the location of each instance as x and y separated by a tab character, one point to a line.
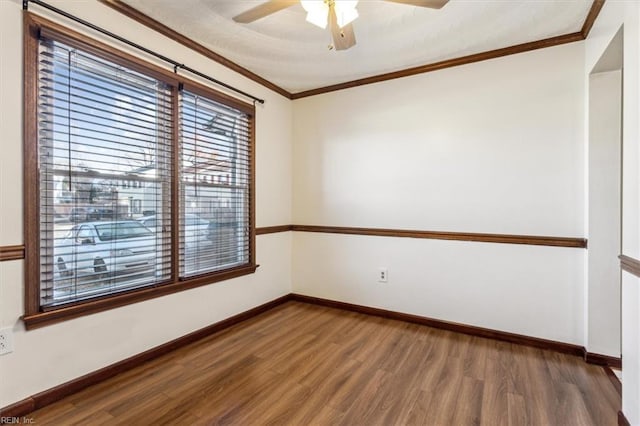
291	53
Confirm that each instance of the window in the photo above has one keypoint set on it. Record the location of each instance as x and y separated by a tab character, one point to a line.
101	125
123	163
215	157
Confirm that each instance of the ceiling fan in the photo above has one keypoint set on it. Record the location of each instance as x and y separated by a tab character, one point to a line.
338	14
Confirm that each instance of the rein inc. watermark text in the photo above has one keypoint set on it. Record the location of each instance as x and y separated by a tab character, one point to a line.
17	420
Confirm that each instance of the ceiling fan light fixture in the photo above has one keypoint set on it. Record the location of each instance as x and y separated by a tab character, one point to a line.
317	12
337	14
346	11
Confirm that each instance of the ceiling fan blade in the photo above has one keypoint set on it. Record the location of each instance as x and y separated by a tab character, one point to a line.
343	38
433	4
263	10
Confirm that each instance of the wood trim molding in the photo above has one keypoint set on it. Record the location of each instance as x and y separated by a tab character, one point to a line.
446	325
596	7
622	419
31	183
143	19
437	235
11	252
157	26
54	394
18	409
630	265
589	357
273	229
614	379
458	236
448	63
604	360
16	252
110	301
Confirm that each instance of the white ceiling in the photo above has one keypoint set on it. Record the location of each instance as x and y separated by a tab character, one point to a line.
291	53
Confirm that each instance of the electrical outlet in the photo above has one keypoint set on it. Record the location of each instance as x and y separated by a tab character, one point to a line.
6	341
383	275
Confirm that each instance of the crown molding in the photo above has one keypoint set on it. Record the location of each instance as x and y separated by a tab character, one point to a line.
143	19
159	27
596	7
448	63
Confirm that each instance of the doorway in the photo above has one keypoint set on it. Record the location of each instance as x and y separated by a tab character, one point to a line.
605	201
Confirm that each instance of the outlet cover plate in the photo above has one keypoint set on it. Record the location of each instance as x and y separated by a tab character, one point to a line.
383	275
6	341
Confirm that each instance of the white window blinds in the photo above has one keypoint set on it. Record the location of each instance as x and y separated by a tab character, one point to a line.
104	157
215	183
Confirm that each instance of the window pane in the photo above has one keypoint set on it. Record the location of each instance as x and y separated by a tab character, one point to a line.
104	156
215	177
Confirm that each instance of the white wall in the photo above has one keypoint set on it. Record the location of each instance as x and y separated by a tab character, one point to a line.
46	357
604	165
614	15
490	147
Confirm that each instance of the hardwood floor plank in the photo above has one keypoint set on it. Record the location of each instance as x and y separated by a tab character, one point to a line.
571	410
258	401
300	364
495	405
323	392
54	412
416	409
476	360
184	419
517	412
367	406
404	382
217	406
468	408
328	416
215	376
290	396
346	395
95	418
104	396
328	357
446	393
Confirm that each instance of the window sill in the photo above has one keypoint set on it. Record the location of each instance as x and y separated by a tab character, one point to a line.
92	306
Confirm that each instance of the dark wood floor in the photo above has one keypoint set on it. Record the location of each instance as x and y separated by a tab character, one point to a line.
300	364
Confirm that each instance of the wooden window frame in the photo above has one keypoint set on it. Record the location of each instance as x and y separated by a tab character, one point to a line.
34	315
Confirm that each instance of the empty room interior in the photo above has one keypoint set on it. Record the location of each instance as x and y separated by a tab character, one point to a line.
320	212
